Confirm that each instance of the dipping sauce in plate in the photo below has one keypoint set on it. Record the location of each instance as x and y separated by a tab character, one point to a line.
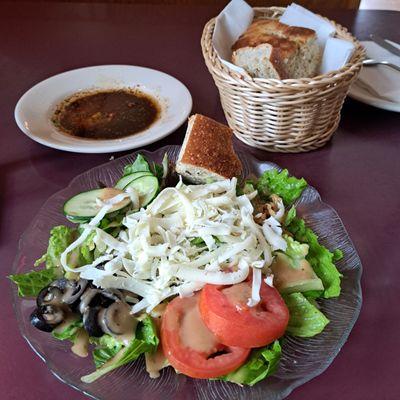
108	114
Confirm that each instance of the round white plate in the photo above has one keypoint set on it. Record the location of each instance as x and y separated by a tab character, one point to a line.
35	108
357	92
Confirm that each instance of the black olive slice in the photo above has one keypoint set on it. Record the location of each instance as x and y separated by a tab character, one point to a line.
60	283
52	314
90	322
38	322
47	317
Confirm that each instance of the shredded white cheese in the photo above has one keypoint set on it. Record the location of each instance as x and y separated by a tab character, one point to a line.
269	280
155	257
255	289
273	233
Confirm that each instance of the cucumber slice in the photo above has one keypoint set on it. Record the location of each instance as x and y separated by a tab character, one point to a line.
125	180
84	205
77	220
147	188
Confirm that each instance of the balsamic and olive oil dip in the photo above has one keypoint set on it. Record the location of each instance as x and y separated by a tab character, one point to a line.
110	114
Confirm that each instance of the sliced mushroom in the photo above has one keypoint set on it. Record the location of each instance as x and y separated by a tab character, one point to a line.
90	322
72	289
116	319
103	310
49	295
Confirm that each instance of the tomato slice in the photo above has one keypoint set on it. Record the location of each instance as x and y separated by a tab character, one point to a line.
225	312
190	347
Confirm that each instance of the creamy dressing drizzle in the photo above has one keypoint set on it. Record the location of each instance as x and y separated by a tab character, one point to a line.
127	337
68	320
285	275
81	343
120	324
238	295
194	333
155	362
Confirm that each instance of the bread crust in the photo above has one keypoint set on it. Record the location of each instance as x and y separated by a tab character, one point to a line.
274	27
208	146
280	49
282	44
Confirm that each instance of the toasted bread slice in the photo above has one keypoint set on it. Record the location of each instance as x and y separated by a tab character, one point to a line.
207	152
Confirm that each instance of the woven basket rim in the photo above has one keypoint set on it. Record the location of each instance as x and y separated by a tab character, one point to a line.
330	77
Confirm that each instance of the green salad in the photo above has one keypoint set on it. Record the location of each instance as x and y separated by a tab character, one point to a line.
207	279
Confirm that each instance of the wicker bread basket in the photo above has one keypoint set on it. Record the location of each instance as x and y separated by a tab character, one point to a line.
292	115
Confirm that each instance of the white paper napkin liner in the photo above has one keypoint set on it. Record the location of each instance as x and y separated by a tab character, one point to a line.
233	20
380	81
296	15
337	53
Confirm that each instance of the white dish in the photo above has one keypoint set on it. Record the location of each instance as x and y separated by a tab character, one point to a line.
34	110
380	78
357	92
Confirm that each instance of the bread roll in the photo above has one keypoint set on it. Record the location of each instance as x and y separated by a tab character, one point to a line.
270	49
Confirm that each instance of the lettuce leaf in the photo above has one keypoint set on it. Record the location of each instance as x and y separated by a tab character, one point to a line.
320	258
337	255
248	186
86	250
290	215
107	347
274	182
31	283
139	165
165	168
113	224
295	251
261	363
145	340
69	332
313	294
60	238
158	171
305	319
199	242
147	333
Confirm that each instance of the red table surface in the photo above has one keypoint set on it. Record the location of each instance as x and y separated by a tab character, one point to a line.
357	173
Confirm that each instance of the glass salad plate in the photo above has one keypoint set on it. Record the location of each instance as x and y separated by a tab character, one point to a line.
302	359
